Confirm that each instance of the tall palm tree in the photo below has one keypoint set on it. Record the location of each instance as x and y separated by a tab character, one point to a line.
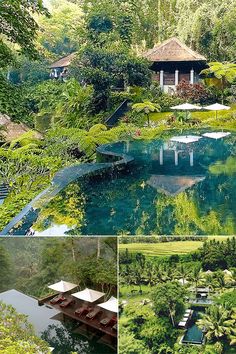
151	273
211	283
217	322
196	276
138	277
220	279
183	272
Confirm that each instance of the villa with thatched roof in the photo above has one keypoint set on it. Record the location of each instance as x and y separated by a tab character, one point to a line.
60	67
172	62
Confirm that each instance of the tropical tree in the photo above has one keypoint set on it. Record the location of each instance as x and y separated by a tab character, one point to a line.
59	32
151	274
183	272
6	270
17	335
138	277
168	300
196	276
220	75
19	29
217	322
146	108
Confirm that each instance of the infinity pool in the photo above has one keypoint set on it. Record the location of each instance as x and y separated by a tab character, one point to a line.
180	184
49	325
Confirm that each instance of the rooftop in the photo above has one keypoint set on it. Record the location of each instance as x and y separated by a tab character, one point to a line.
13	130
173	50
63	62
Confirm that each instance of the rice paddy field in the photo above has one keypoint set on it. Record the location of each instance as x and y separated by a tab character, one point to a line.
166	248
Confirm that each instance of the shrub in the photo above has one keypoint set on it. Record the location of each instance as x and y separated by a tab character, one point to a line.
166	101
195	93
12	101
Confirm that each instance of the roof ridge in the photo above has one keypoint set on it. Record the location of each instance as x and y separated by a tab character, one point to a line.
161	47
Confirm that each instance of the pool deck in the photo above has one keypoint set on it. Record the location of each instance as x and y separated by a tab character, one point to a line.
88	324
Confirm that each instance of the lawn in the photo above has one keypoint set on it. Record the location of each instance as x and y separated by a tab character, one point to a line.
206	117
166	248
125	293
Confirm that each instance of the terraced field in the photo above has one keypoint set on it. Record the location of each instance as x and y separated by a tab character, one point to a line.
166	248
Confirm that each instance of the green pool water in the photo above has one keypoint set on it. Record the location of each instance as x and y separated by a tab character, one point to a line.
193	335
170	188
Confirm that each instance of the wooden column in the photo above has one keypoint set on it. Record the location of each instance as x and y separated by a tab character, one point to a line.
176	77
161	158
192	76
191	157
162	78
176	158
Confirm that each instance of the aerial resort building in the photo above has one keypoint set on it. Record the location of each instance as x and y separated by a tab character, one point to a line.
85	313
172	62
87	309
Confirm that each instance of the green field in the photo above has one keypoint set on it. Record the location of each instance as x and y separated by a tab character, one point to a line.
166	248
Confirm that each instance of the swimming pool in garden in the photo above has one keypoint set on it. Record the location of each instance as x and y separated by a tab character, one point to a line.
193	335
182	183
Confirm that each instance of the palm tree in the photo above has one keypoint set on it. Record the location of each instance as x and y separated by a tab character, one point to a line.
196	276
151	274
217	322
211	283
146	107
183	272
220	75
138	277
220	278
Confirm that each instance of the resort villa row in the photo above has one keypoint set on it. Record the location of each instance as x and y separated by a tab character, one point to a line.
171	62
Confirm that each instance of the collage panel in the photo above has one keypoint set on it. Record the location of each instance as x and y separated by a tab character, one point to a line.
117	177
177	295
58	295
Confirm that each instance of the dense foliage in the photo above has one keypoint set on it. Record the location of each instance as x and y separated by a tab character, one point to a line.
17	334
88	263
18	26
156	290
30	265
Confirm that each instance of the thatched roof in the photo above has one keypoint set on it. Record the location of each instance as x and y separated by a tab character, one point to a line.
13	130
173	185
63	62
172	50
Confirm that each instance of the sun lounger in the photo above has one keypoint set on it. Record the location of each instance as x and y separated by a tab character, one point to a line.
108	321
92	314
83	310
67	302
57	299
114	327
188	311
182	323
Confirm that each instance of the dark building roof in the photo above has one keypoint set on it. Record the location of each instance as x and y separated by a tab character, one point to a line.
172	50
63	62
